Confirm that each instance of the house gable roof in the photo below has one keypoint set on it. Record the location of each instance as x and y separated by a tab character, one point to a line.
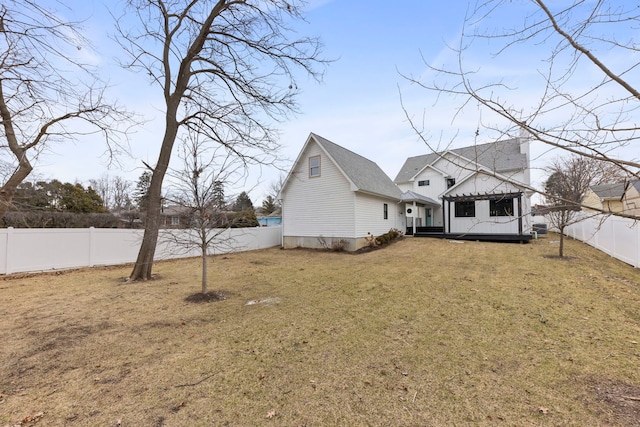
363	174
410	196
482	172
500	156
609	191
635	183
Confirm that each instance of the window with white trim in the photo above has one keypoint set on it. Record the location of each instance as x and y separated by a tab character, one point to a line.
385	209
423	183
314	166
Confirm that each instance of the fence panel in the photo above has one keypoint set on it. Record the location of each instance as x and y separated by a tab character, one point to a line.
28	250
616	236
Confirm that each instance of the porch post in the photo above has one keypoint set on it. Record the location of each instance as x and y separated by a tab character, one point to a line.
413	218
520	214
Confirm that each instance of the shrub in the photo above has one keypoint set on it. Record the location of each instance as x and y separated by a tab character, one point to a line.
338	245
388	237
371	240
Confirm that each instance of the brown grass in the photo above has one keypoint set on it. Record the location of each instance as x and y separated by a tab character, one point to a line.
422	333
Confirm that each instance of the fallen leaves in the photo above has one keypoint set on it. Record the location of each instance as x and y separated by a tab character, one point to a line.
30	419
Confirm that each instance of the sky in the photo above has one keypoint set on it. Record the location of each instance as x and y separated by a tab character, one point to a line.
358	105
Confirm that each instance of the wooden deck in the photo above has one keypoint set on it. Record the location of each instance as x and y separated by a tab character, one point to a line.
438	233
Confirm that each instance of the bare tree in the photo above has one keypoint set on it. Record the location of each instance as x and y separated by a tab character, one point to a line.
120	190
114	192
274	189
102	186
566	186
48	93
585	99
195	190
226	69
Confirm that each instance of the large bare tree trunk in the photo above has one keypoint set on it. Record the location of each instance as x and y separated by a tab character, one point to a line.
142	270
9	188
214	74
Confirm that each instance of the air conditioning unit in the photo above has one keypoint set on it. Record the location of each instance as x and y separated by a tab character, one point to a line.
410	211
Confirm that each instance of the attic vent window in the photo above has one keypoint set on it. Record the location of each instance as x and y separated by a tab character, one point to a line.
314	166
423	183
451	182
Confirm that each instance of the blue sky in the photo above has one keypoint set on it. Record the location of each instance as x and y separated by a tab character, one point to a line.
357	106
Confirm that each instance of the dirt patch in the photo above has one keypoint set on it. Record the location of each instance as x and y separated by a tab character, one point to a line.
623	399
211	296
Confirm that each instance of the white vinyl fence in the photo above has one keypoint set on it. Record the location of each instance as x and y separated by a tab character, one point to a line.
618	237
40	249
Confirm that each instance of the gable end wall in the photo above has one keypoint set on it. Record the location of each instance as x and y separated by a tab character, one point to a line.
323	206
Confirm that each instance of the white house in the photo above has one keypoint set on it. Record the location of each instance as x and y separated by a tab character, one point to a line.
333	194
479	192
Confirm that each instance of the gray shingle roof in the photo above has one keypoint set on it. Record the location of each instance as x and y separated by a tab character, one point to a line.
609	191
497	156
365	174
410	196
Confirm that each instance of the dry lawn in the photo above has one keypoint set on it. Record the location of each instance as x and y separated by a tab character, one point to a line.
424	332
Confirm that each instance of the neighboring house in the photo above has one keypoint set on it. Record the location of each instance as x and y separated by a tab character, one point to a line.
332	194
478	192
605	197
174	216
631	197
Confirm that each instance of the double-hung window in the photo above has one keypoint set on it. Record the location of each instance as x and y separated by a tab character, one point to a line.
314	166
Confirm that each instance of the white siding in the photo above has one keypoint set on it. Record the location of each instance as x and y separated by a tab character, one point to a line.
455	167
437	184
484	184
370	215
405	186
483	222
320	206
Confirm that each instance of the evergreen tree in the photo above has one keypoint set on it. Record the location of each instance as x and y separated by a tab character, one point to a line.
140	194
269	205
242	203
218	195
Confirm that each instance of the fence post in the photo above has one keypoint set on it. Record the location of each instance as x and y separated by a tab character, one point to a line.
8	254
637	227
92	239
